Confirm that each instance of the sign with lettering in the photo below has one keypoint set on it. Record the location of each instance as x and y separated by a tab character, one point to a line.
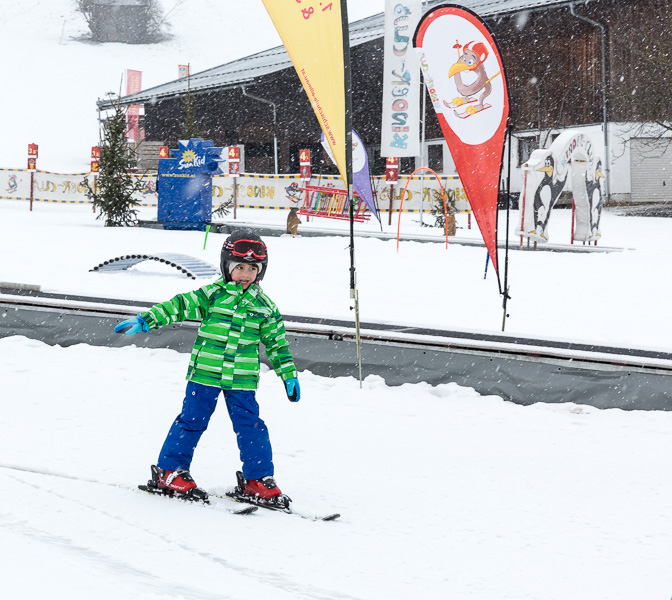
400	129
234	161
304	164
185	184
392	169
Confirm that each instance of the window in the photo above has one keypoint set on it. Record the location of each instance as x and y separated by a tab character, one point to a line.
526	145
435	157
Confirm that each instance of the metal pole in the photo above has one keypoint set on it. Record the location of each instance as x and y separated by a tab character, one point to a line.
32	183
508	212
391	203
423	151
275	135
348	167
605	98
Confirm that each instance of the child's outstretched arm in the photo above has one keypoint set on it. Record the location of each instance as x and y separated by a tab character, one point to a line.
272	333
180	308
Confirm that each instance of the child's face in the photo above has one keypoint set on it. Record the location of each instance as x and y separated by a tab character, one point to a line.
245	274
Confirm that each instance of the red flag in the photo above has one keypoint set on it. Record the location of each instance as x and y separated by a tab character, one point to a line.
464	74
133	86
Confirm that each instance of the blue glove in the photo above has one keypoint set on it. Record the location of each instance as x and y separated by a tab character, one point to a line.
131	326
293	389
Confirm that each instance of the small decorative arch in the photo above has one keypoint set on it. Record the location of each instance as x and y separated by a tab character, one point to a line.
443	195
190	266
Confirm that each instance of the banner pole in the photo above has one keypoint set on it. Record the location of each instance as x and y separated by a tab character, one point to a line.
389	222
348	167
508	212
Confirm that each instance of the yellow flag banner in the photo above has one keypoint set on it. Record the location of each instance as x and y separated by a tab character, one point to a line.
312	33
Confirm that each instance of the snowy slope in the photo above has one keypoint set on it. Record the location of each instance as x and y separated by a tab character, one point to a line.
444	494
55	78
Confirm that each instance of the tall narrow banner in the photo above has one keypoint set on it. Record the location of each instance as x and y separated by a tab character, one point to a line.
133	86
400	131
464	74
312	32
361	175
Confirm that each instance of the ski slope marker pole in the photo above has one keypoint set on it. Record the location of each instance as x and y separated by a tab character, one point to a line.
207	231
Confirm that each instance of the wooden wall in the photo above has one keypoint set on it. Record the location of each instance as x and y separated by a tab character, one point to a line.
554	68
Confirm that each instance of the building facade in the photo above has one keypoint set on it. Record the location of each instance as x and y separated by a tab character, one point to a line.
570	64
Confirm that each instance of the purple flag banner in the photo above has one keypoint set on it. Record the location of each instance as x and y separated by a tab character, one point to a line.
361	177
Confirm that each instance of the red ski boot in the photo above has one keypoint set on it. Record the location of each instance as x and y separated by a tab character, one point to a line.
262	492
178	482
265	487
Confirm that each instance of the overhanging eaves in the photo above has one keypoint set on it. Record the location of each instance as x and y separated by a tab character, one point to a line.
251	68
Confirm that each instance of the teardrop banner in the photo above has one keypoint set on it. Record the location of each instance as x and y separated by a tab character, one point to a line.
464	74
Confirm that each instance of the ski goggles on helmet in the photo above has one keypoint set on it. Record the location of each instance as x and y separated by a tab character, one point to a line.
243	248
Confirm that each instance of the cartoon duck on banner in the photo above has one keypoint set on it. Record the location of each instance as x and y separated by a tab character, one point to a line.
546	174
471	79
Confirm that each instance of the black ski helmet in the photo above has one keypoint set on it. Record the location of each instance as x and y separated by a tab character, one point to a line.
244	246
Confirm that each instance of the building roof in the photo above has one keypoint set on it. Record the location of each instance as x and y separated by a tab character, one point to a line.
120	2
251	68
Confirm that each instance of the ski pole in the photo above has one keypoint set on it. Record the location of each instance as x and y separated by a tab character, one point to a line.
487	261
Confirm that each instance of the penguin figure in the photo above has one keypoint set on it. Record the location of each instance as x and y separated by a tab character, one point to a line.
13	185
594	191
545	197
293	192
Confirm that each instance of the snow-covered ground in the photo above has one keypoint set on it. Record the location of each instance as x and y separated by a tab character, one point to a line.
445	494
619	298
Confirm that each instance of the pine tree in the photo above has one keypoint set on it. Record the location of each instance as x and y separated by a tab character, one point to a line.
437	210
115	186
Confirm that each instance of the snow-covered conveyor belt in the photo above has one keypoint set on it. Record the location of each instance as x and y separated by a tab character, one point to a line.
523	370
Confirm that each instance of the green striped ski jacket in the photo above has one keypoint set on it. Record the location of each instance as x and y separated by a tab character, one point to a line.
233	322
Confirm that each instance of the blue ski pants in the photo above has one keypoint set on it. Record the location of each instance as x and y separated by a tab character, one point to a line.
199	403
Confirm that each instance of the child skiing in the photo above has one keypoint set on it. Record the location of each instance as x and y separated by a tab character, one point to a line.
235	316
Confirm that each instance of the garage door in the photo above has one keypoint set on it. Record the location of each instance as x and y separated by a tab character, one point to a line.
651	170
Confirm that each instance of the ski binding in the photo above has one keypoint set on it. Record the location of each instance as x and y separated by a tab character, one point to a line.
196	495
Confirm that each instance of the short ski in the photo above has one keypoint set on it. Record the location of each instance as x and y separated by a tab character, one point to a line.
150	489
278	508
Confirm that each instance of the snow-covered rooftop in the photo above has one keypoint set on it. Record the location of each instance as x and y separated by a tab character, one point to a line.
250	68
